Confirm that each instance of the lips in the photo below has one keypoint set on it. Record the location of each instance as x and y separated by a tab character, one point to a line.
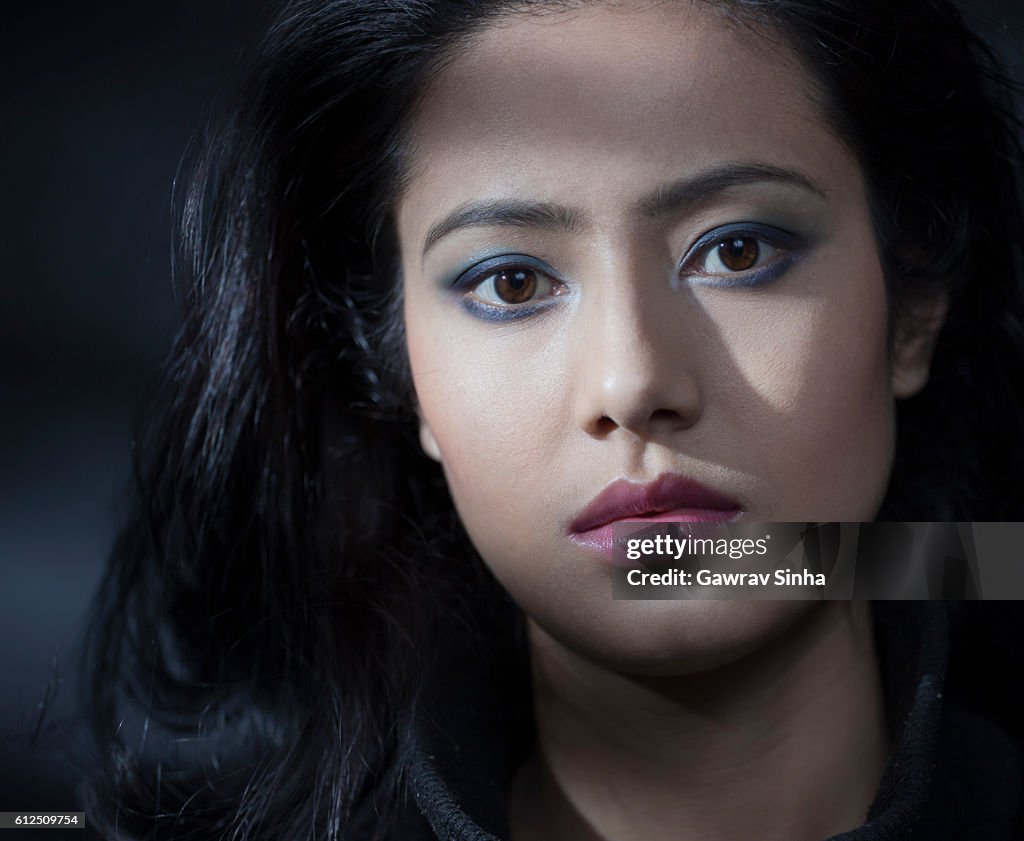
669	498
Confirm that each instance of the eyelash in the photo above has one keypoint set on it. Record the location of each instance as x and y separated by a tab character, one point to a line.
474	278
785	250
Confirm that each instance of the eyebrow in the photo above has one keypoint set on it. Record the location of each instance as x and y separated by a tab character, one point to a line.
667	199
510	212
692	190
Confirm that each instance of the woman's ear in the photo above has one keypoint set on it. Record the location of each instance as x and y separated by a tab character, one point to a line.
914	345
427	440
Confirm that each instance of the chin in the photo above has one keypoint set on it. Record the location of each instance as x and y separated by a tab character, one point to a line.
673	638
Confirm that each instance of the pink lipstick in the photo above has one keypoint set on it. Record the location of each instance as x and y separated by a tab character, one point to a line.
668	499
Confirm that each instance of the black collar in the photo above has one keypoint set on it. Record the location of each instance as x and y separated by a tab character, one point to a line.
950	775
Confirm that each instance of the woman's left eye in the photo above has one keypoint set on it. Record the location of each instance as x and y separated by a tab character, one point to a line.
739	257
736	254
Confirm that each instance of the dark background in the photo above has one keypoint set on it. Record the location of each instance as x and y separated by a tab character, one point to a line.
99	101
97	105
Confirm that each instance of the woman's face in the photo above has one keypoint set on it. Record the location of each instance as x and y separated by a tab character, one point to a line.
633	249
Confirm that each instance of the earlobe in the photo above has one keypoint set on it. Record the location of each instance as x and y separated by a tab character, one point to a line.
427	440
914	346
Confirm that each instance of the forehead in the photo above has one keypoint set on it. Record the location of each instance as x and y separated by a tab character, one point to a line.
605	102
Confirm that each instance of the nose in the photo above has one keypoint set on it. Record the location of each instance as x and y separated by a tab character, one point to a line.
637	366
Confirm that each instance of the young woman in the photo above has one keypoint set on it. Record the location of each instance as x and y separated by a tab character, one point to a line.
470	282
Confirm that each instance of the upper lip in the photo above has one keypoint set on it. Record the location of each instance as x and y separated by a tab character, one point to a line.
622	499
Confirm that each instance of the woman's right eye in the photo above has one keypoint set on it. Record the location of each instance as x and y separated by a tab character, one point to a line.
513	285
508	286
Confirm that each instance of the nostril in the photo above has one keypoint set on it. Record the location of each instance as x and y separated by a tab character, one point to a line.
665	415
606	424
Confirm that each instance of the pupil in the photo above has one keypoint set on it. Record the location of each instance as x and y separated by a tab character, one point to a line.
517	286
739	254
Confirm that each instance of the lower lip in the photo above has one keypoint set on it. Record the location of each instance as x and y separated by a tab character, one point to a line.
602	538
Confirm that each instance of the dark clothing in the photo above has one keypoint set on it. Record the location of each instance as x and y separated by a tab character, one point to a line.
952	775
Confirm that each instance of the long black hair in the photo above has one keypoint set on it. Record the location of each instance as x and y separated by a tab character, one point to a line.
276	594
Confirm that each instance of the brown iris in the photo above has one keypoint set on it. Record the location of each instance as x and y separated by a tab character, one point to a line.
739	254
515	286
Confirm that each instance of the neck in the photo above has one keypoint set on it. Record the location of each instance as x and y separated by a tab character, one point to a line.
786	743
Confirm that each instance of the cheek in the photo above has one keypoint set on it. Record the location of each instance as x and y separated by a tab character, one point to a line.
496	419
814	417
